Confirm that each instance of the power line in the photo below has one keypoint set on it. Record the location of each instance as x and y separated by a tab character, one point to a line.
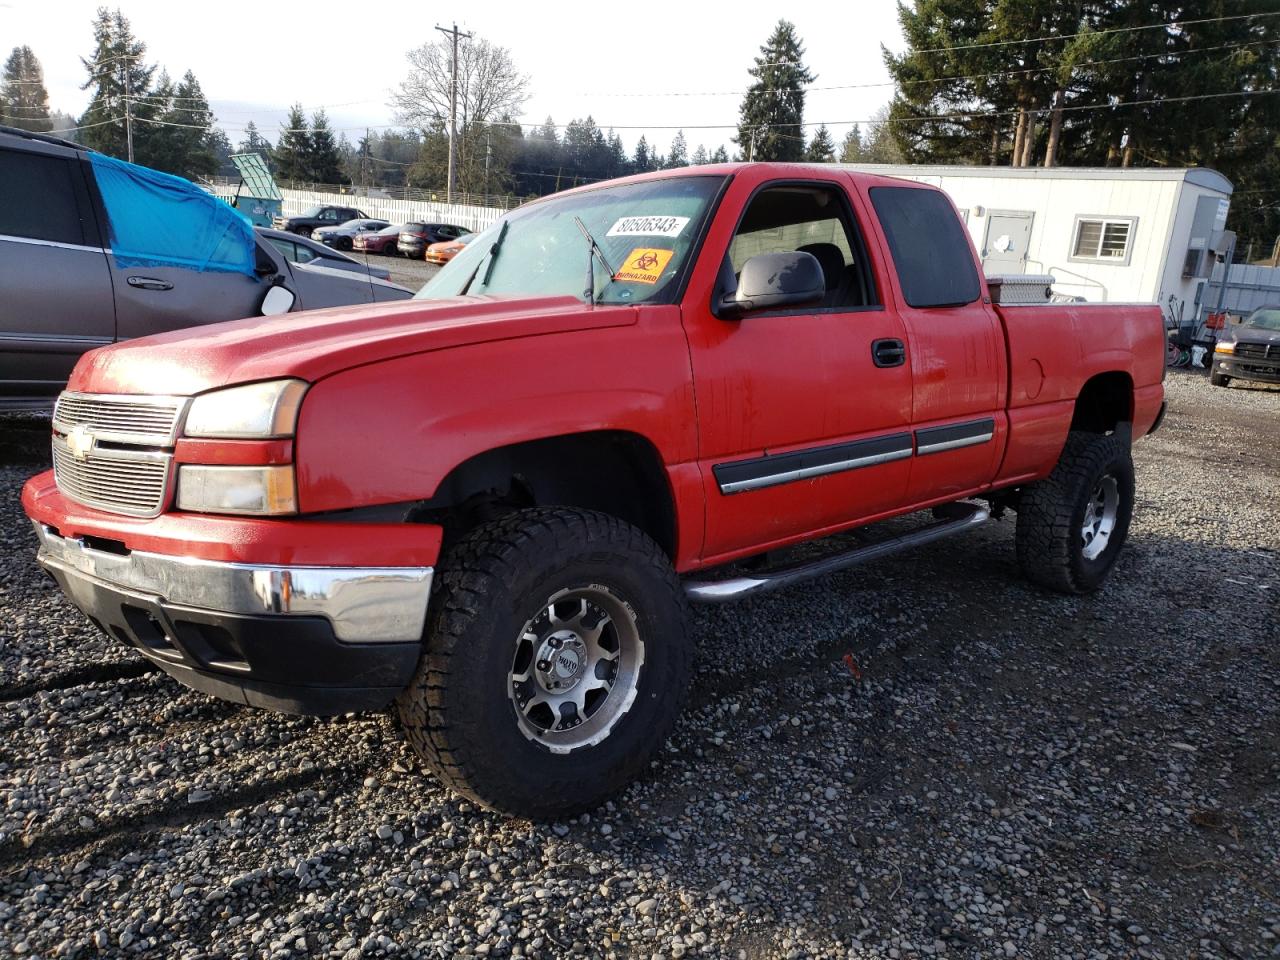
1168	25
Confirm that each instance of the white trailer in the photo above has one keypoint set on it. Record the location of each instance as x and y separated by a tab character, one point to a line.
1149	235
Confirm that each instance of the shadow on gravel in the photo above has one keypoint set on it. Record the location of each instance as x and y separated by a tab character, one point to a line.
24	440
103	672
129	831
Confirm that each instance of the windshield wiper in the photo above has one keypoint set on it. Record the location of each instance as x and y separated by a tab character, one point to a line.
593	252
487	260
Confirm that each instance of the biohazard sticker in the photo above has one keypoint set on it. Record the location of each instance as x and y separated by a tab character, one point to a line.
648	227
644	265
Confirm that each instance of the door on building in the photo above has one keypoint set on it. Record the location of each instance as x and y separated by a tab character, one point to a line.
1008	239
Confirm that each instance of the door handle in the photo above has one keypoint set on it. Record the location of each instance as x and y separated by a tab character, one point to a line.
149	283
888	353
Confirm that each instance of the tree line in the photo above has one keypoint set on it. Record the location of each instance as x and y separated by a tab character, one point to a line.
1037	82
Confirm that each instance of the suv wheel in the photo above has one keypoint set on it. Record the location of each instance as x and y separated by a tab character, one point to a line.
1072	524
556	662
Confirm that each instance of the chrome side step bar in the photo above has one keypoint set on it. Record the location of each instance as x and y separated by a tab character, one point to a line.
962	517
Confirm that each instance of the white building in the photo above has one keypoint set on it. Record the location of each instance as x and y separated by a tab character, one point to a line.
1131	234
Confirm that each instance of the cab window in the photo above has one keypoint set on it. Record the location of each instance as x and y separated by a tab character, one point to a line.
813	220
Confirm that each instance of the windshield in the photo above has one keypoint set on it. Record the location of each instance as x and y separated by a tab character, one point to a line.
313	212
1264	318
646	231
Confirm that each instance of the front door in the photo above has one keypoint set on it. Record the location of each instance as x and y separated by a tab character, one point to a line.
1007	242
55	287
800	429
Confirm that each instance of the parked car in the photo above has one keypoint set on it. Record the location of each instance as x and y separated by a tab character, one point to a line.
416	236
1249	350
341	237
298	249
488	507
444	251
379	241
65	290
318	216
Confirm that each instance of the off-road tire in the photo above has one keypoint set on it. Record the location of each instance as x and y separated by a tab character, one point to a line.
1219	379
458	714
1051	514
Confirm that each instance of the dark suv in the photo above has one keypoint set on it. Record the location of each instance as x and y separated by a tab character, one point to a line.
416	236
1249	350
63	291
316	217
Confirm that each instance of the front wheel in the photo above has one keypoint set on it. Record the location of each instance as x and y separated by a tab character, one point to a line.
556	661
1072	524
1219	379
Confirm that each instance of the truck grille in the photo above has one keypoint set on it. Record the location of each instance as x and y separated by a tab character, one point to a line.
1258	351
115	452
123	418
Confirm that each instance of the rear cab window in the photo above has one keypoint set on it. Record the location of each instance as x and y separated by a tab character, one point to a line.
929	247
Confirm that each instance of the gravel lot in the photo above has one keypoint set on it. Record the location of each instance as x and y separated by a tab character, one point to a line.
993	771
408	273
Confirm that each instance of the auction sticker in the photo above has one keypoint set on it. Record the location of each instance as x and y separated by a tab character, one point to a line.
644	265
648	227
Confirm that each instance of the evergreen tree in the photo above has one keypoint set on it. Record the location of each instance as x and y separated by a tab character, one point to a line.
772	111
115	67
184	142
643	158
851	150
324	159
699	156
679	155
881	144
618	164
254	142
292	153
720	155
24	102
822	148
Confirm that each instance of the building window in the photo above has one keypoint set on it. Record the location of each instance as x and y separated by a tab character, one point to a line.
1103	239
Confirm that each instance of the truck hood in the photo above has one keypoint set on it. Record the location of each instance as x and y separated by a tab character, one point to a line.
314	344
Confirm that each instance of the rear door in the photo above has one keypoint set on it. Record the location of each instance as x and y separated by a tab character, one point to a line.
955	344
55	285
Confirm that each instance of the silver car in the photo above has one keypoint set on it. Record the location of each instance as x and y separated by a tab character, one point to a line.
63	293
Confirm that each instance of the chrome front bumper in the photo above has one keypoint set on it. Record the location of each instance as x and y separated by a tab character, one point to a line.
364	604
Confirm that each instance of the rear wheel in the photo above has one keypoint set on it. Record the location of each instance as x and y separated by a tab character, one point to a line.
1072	524
556	662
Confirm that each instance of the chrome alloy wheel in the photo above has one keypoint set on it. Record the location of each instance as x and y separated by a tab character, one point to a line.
576	667
1100	517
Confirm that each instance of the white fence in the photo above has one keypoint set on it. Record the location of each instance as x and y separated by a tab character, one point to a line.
397	211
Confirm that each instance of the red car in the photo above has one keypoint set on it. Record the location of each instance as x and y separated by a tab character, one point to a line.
379	241
487	507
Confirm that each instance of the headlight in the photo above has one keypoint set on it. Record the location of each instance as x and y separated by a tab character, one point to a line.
243	490
1224	346
256	411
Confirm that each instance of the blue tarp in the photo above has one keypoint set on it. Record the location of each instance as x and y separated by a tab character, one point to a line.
158	220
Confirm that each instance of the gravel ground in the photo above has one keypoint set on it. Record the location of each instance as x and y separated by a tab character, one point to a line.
924	757
408	273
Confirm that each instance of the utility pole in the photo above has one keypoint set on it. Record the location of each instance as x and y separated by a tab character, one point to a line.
454	35
128	107
488	158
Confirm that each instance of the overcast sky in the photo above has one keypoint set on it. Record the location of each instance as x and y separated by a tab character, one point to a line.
621	62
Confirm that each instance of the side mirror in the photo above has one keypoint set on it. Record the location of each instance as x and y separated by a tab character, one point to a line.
278	299
775	281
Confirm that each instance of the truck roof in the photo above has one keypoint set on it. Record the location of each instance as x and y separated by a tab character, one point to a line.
42	137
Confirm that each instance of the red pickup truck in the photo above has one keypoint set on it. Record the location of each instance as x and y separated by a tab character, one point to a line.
488	506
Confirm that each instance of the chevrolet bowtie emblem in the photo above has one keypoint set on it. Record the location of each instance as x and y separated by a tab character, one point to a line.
80	442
